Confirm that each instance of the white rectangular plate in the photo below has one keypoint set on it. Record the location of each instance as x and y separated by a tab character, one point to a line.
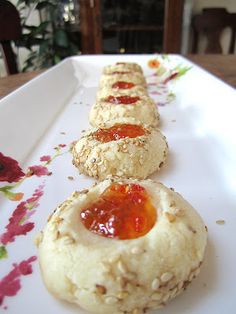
199	124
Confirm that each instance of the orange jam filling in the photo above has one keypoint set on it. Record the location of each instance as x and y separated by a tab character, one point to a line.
124	100
118	131
123	211
123	85
121	72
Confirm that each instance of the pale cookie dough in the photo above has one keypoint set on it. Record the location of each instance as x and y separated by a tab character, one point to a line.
112	276
108	90
144	110
133	77
127	157
122	67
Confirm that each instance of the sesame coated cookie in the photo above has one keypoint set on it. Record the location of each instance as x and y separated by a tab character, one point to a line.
103	270
140	107
121	88
122	147
133	77
122	67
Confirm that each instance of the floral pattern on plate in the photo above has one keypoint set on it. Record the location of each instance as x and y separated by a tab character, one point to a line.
11	284
19	222
11	172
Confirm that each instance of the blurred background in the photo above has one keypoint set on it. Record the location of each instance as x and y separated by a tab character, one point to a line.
49	31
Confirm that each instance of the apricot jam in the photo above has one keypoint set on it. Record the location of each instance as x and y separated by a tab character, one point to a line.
123	211
117	132
123	85
124	100
121	72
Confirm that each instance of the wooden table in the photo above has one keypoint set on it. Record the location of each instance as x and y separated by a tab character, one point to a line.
9	83
223	67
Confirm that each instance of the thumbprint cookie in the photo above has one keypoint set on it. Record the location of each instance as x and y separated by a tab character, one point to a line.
122	147
123	246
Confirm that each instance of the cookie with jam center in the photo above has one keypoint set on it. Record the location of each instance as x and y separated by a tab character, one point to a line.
121	147
106	259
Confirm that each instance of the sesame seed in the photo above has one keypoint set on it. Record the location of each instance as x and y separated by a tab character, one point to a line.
113	259
68	240
141	161
170	217
156	296
220	222
180	285
49	217
122	281
121	267
166	277
111	300
136	250
166	297
120	173
105	267
122	295
179	213
38	239
173	292
84	191
155	284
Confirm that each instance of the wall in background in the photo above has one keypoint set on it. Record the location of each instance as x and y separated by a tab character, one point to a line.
187	13
2	68
199	4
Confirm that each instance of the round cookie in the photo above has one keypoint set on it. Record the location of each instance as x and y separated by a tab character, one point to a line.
109	275
142	108
108	79
122	67
121	88
122	147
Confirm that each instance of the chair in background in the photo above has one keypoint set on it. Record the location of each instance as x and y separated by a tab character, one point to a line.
10	29
211	22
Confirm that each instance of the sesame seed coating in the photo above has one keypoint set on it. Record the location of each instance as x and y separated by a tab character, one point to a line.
105	275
